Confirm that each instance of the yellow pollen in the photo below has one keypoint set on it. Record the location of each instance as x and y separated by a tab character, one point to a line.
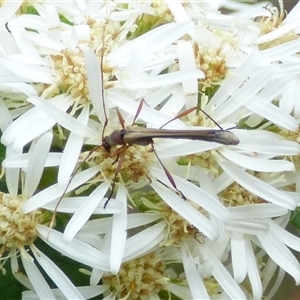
212	63
236	195
141	278
269	24
69	66
134	163
16	229
212	286
178	228
70	72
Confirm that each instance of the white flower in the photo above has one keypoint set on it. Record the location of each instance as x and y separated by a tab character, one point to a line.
151	275
87	292
261	226
204	198
20	230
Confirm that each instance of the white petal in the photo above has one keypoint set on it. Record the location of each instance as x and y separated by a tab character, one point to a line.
136	62
119	232
71	205
193	277
272	113
53	22
32	124
222	182
248	226
260	141
28	71
154	40
29	21
140	219
100	226
178	11
5	117
8	9
231	84
36	164
281	255
62	118
8	45
15	269
257	164
187	211
277	33
56	191
22	43
292	241
94	82
257	186
194	193
187	63
222	276
92	239
21	160
143	241
250	88
147	114
84	211
238	256
76	249
253	272
38	281
87	292
39	40
168	148
71	151
268	271
12	175
175	103
276	285
96	276
162	80
259	211
288	100
19	126
281	51
293	14
180	291
24	88
59	278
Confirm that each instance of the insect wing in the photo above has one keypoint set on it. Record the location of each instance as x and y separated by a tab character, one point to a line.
144	136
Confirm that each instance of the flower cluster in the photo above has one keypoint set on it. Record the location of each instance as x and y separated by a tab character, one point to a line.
154	144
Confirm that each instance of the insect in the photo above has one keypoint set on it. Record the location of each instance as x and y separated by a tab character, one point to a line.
134	135
117	142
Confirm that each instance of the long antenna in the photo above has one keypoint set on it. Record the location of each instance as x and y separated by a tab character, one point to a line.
97	147
186	112
102	81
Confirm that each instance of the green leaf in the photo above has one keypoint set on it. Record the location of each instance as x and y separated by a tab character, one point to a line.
63	19
295	218
10	288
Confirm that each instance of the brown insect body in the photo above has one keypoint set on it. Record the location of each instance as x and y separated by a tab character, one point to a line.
134	135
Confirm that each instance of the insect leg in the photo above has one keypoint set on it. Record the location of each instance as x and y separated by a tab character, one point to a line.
168	174
120	157
68	184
